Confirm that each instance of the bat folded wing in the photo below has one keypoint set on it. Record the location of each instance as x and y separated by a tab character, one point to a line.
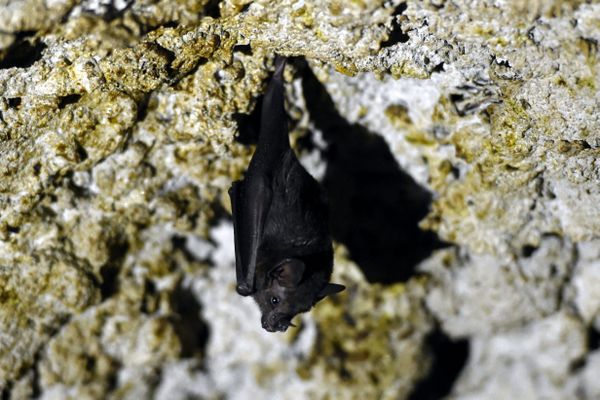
250	202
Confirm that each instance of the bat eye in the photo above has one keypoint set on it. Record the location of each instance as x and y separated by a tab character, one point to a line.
274	300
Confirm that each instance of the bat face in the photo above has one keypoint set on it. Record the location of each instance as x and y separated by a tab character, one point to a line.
279	301
284	255
291	289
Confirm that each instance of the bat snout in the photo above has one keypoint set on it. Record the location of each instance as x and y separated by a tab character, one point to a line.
275	323
267	327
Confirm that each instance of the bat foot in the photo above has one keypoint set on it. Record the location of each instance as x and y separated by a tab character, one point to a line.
243	289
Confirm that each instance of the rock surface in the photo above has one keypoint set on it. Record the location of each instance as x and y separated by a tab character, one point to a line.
481	119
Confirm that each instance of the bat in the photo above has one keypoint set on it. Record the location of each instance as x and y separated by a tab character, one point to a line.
283	250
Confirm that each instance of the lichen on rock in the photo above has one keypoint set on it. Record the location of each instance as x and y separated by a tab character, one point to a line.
118	127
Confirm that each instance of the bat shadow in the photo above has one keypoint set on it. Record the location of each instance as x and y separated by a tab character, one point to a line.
375	206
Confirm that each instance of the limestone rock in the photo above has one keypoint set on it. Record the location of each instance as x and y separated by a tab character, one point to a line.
118	122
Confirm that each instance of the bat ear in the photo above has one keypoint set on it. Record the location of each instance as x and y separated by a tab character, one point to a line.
289	273
330	288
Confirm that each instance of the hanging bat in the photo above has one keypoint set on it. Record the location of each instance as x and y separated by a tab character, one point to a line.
284	255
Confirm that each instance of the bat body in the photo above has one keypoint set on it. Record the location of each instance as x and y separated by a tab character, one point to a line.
284	255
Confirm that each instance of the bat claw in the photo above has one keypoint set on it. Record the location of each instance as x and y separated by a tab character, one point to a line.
243	290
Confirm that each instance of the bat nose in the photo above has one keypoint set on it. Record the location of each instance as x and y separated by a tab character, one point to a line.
274	323
266	326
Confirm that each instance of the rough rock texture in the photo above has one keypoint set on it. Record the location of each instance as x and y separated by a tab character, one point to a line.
117	127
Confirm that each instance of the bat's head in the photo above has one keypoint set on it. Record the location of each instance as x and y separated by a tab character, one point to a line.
287	293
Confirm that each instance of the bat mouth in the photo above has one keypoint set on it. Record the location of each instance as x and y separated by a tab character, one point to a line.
277	323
